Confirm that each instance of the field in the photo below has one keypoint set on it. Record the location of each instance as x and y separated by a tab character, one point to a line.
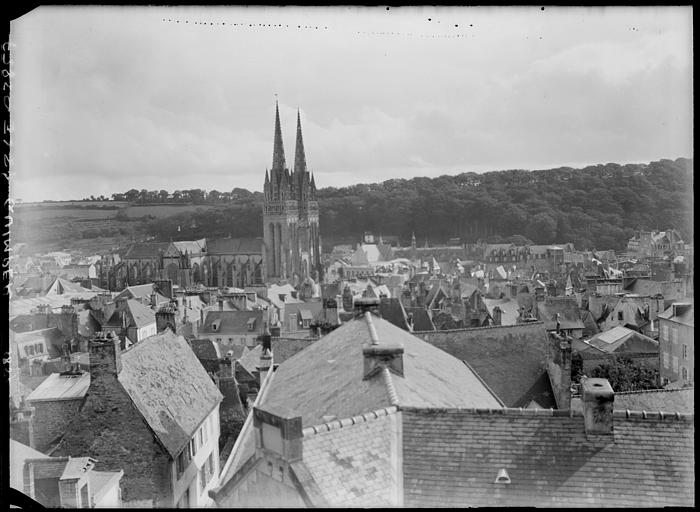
164	210
90	226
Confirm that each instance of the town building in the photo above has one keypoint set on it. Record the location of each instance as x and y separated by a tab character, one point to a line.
677	344
153	412
62	482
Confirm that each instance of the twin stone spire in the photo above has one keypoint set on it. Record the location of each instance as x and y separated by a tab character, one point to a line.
299	178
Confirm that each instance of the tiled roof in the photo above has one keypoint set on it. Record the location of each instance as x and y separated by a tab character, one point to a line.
510	359
235	246
353	464
452	458
232	322
667	400
569	315
61	387
326	379
169	387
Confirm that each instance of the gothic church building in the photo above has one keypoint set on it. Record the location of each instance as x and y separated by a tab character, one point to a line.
290	215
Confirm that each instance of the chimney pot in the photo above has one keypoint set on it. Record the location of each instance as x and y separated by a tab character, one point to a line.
598	400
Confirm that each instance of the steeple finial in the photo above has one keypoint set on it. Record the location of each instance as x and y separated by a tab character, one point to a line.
299	156
278	161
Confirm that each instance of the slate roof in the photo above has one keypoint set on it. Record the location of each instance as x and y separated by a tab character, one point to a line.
18	454
623	339
251	358
667	400
61	387
232	322
147	250
285	348
352	465
509	309
684	316
138	315
169	387
312	308
224	246
141	292
191	247
206	349
569	315
452	458
393	311
510	360
326	379
421	319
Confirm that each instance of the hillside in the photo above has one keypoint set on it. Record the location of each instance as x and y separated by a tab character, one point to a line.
594	207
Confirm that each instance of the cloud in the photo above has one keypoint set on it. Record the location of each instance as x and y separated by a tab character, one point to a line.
107	99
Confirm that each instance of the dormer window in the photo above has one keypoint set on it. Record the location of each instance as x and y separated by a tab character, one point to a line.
215	325
251	324
502	477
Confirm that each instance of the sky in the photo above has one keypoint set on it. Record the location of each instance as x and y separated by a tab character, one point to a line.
105	99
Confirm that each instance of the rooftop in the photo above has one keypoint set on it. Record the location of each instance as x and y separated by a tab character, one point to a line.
169	387
61	387
326	379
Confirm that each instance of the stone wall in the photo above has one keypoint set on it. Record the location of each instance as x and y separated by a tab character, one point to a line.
110	429
51	419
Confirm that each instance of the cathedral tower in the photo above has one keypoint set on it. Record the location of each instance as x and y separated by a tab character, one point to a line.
290	214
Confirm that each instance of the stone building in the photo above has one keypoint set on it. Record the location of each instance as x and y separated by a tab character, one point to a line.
152	411
290	214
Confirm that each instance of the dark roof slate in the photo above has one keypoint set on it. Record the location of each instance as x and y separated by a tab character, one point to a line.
169	387
452	458
235	246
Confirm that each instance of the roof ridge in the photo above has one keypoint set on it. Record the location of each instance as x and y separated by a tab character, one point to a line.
526	324
389	382
519	411
639	391
346	422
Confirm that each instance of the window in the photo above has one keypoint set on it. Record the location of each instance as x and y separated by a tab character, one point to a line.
210	464
666	365
664	332
202	477
29	349
620	315
183	460
193	447
218	340
230	340
675	363
684	373
39	347
685	351
674	335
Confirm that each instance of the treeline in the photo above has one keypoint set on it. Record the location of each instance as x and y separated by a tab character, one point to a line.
191	196
595	207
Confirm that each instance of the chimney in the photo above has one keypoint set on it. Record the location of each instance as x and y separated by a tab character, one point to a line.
105	355
265	363
378	356
366	304
279	431
598	399
221	304
497	315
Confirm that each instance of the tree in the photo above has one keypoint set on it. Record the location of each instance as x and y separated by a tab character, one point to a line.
163	196
626	375
132	195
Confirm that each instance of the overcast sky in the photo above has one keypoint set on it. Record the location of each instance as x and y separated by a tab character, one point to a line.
105	99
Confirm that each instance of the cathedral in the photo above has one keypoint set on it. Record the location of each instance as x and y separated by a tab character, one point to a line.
290	215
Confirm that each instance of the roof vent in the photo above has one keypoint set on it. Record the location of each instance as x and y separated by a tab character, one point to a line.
502	477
